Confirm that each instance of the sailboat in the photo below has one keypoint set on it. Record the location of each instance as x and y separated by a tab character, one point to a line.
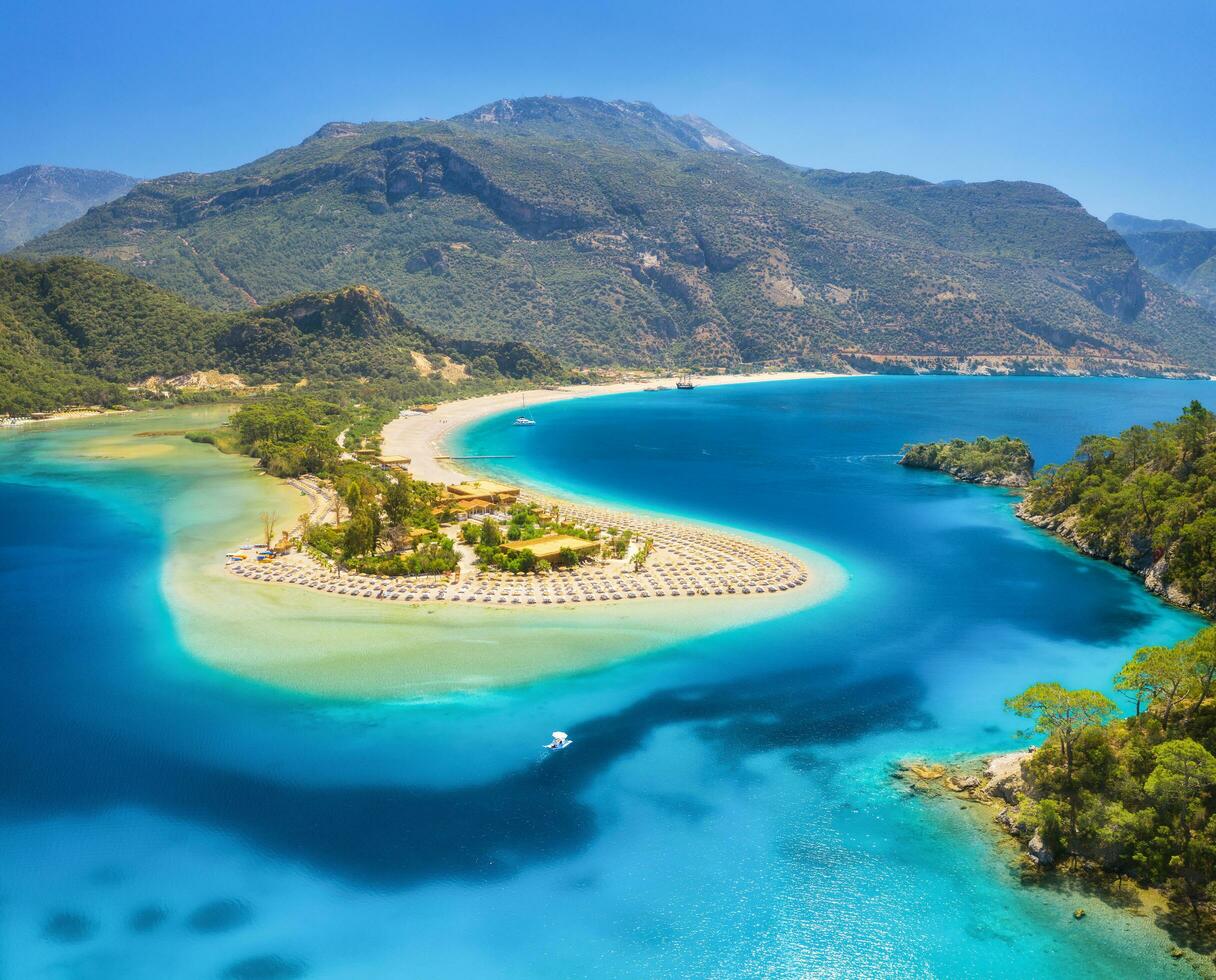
685	383
524	418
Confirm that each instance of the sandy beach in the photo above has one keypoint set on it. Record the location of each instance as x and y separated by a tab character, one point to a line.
685	561
310	640
420	437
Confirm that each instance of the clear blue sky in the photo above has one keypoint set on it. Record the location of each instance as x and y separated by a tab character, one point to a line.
1113	102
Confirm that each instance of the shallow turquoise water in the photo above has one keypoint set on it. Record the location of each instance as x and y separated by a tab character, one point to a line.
726	809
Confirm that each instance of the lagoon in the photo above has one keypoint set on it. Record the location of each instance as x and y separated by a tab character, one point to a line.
727	807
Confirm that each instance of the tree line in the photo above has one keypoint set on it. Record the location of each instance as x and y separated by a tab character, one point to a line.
1132	794
1144	497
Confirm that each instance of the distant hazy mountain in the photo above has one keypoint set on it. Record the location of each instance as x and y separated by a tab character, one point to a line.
1130	224
38	199
1181	253
611	232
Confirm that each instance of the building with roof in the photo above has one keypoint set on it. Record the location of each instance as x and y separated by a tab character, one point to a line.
499	493
547	546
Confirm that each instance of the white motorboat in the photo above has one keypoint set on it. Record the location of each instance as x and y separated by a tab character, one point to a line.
560	741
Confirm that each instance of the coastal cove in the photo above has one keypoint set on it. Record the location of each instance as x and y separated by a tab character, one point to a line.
727	806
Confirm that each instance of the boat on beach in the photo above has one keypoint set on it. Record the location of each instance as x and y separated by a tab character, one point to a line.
685	383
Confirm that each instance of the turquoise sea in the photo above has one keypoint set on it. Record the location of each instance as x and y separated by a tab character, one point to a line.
727	808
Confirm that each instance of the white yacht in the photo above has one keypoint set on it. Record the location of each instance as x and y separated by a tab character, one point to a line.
524	418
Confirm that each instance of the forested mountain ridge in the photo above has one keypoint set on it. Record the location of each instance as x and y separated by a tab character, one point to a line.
38	199
1181	253
610	232
75	331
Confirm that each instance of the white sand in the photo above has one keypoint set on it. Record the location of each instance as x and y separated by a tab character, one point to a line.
420	437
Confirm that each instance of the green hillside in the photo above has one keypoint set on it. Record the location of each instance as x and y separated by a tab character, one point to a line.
75	331
613	233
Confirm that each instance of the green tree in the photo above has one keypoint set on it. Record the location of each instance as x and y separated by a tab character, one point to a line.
1195	427
643	553
1201	654
399	500
1159	676
1184	773
491	537
360	536
1065	716
1184	769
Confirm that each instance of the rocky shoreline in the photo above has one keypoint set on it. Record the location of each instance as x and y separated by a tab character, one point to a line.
1153	567
999	788
1154	571
1000	462
1010	481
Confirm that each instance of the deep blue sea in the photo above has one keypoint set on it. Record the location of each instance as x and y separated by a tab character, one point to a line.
727	808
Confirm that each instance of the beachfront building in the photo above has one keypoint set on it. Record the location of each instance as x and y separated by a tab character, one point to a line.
547	546
392	462
467	507
499	493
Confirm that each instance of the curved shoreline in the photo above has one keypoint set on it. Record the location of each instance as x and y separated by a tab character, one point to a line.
316	643
421	438
687	560
986	789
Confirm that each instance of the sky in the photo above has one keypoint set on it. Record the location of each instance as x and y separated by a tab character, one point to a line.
1113	102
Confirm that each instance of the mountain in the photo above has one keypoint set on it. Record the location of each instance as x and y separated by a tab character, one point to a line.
717	139
611	232
1181	253
1130	224
76	331
35	200
636	125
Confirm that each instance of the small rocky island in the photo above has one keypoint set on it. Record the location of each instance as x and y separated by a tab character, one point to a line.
1000	462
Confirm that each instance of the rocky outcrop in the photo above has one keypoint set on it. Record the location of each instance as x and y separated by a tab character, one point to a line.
1039	852
1150	565
1001	784
1014	481
1002	462
1003	775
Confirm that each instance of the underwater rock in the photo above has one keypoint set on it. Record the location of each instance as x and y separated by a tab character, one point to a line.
69	927
147	918
220	916
270	967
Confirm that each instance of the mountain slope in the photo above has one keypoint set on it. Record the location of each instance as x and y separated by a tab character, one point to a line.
35	200
72	331
609	232
1181	253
